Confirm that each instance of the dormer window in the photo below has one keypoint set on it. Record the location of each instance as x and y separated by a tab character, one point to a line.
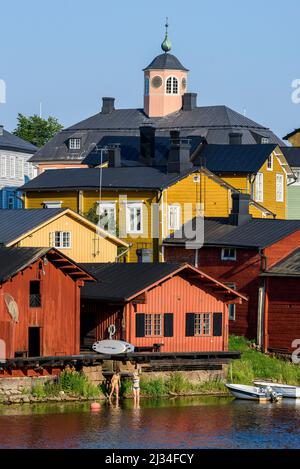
74	143
172	85
264	140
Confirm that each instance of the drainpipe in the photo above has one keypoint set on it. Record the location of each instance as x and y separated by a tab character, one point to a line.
261	303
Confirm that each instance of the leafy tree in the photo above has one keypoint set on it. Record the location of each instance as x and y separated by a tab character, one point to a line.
37	130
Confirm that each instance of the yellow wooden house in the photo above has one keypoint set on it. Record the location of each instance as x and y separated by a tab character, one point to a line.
142	205
64	229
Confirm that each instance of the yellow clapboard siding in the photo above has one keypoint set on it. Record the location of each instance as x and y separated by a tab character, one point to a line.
69	199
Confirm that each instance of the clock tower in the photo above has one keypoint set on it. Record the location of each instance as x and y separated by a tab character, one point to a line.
165	82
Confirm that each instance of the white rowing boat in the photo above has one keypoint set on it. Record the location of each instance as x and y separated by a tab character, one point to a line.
253	393
286	390
112	347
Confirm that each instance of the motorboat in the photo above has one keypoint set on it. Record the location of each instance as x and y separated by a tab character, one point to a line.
253	393
287	390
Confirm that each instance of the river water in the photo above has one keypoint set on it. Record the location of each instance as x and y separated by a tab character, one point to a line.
167	423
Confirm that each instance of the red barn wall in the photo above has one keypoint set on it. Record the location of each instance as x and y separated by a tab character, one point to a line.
282	248
58	317
178	296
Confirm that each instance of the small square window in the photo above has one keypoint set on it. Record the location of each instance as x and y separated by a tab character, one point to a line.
74	143
202	324
228	254
264	140
62	239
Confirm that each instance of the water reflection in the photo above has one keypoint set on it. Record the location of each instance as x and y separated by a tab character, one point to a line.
170	423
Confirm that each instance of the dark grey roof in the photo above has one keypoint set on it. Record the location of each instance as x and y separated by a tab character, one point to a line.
214	123
234	158
130	149
13	260
136	177
118	282
16	222
165	62
256	233
12	142
292	155
288	267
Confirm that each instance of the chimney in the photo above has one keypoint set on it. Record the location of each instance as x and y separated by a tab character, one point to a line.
189	101
235	138
1	130
114	156
240	209
179	159
108	105
147	145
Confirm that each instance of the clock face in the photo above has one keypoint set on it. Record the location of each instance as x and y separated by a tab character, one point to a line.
156	81
183	83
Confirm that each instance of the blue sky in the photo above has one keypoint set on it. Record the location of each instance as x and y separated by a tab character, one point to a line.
67	54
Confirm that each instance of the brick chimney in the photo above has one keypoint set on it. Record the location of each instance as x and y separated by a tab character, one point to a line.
108	105
114	156
179	160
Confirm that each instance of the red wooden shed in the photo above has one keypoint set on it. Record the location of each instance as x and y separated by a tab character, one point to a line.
39	302
166	307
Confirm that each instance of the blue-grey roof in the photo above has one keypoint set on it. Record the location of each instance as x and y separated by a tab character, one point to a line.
214	123
16	222
9	141
165	61
136	177
288	267
234	158
256	233
292	155
13	260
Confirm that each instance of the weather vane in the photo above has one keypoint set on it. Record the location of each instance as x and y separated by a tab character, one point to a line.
166	44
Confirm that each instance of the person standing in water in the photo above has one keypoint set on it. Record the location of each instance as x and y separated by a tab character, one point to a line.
136	386
115	384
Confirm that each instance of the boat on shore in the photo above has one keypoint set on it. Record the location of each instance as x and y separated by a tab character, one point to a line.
253	393
287	390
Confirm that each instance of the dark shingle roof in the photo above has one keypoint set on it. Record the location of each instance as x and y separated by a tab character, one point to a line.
214	123
118	282
16	222
13	260
235	158
257	233
286	137
288	267
12	142
292	155
136	177
165	62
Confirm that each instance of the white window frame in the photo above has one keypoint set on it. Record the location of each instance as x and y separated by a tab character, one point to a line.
176	219
270	159
259	187
296	172
101	206
74	143
3	166
21	167
264	140
153	325
12	167
279	188
231	305
228	258
60	245
52	203
136	206
172	78
202	324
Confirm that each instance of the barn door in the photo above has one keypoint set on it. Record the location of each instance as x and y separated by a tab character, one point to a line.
34	341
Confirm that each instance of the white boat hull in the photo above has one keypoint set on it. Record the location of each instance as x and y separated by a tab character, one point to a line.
252	393
287	391
112	347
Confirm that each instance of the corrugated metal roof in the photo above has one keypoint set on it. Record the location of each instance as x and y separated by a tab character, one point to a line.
165	62
234	158
13	260
292	155
12	142
136	177
288	267
256	233
16	222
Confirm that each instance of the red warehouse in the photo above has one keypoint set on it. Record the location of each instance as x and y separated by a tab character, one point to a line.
39	302
157	307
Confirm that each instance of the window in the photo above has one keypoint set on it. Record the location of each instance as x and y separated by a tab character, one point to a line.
74	143
20	168
12	167
3	167
146	86
228	254
35	294
10	201
296	172
279	188
62	239
270	163
232	306
107	216
259	187
174	217
172	85
52	204
264	140
134	216
202	324
153	324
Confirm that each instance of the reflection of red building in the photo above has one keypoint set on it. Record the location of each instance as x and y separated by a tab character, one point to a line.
39	302
174	307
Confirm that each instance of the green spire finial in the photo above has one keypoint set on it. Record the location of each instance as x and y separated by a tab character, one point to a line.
166	44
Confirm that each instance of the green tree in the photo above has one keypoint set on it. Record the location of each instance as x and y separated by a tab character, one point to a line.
37	130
